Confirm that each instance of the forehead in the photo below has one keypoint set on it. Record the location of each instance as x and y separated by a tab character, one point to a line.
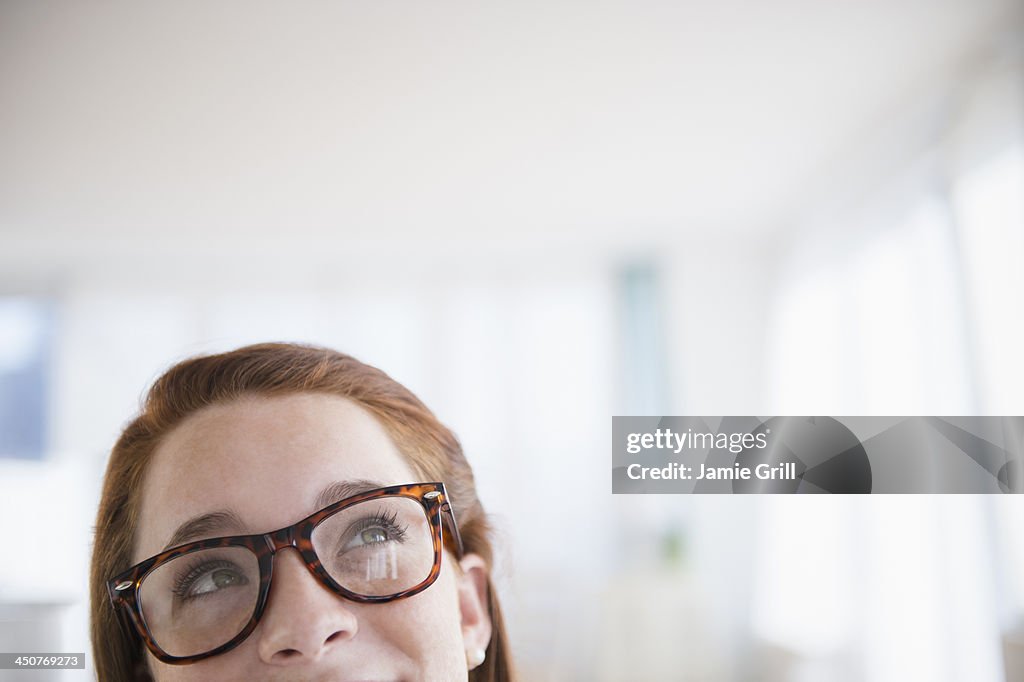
265	459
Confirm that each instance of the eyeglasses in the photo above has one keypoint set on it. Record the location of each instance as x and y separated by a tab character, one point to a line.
204	598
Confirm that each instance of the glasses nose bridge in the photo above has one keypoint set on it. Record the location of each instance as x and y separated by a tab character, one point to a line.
281	539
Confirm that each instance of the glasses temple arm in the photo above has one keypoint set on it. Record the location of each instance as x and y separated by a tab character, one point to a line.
447	509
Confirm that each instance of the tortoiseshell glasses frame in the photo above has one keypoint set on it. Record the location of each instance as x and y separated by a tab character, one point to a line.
124	587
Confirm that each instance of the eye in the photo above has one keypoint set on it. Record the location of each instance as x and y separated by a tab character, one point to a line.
209	578
373	530
373	535
216	580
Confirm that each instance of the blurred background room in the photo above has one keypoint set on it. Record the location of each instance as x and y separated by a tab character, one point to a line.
538	215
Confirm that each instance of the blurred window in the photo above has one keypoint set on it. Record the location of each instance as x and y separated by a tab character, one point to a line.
876	326
989	201
26	333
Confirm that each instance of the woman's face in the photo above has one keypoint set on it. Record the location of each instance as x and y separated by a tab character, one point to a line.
266	460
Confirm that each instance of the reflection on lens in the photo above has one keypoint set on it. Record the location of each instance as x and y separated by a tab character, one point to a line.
198	601
377	548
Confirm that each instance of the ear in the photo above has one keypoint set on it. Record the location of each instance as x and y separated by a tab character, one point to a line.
476	617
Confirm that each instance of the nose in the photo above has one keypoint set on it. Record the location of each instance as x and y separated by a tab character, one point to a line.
303	620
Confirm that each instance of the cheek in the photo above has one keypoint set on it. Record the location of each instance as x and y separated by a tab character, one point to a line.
218	668
425	628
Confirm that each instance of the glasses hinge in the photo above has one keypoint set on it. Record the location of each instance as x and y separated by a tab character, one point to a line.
123	585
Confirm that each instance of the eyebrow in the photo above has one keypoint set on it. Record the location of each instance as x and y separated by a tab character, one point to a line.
209	525
338	491
226	522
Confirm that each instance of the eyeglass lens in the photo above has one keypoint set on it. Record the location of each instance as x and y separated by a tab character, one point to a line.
194	603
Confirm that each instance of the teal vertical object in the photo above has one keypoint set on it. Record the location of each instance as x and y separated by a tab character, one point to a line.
643	361
26	339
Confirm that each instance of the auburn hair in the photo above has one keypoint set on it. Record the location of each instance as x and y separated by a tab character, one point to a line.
272	369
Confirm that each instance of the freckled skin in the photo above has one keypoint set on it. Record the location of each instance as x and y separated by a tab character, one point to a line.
267	459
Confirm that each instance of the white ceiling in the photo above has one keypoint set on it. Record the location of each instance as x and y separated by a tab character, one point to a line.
129	126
